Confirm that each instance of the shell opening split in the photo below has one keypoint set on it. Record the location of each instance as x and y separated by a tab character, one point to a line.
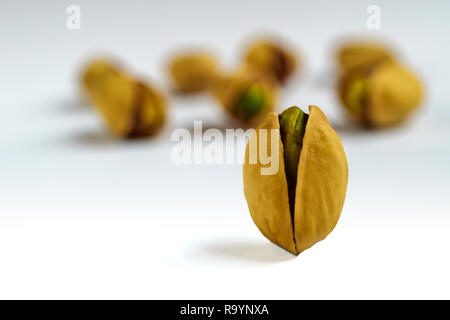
292	130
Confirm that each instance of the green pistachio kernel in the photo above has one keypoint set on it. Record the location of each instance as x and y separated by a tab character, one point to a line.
355	95
292	129
251	103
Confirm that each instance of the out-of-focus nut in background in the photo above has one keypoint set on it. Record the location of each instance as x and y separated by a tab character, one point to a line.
130	107
246	95
193	72
362	54
272	57
374	87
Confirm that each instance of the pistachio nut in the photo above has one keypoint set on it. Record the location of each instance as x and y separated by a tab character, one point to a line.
246	95
129	107
300	203
272	58
362	54
384	95
193	72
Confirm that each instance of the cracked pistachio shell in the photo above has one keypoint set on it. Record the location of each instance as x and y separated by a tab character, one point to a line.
321	186
362	54
384	96
272	59
129	107
246	95
193	72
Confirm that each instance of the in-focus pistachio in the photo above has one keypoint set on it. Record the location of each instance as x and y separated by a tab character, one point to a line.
246	95
272	58
382	95
301	202
193	72
129	107
362	54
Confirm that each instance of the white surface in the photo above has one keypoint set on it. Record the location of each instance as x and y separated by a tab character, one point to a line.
85	216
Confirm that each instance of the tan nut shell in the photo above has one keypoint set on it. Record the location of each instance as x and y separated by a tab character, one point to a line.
392	93
271	59
151	111
193	72
321	186
361	54
129	106
228	88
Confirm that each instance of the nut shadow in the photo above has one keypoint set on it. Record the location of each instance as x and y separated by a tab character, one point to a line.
350	128
103	138
347	127
70	105
246	251
94	138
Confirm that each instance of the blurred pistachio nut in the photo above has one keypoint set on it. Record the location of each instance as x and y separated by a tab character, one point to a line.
362	54
193	72
129	107
246	95
381	96
96	72
300	203
273	59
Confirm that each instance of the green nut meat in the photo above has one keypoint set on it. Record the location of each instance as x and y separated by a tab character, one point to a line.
292	129
251	102
246	95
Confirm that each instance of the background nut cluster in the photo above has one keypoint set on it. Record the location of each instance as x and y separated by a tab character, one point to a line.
374	87
301	202
246	94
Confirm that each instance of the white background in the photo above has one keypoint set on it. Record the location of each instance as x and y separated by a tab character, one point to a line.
83	215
